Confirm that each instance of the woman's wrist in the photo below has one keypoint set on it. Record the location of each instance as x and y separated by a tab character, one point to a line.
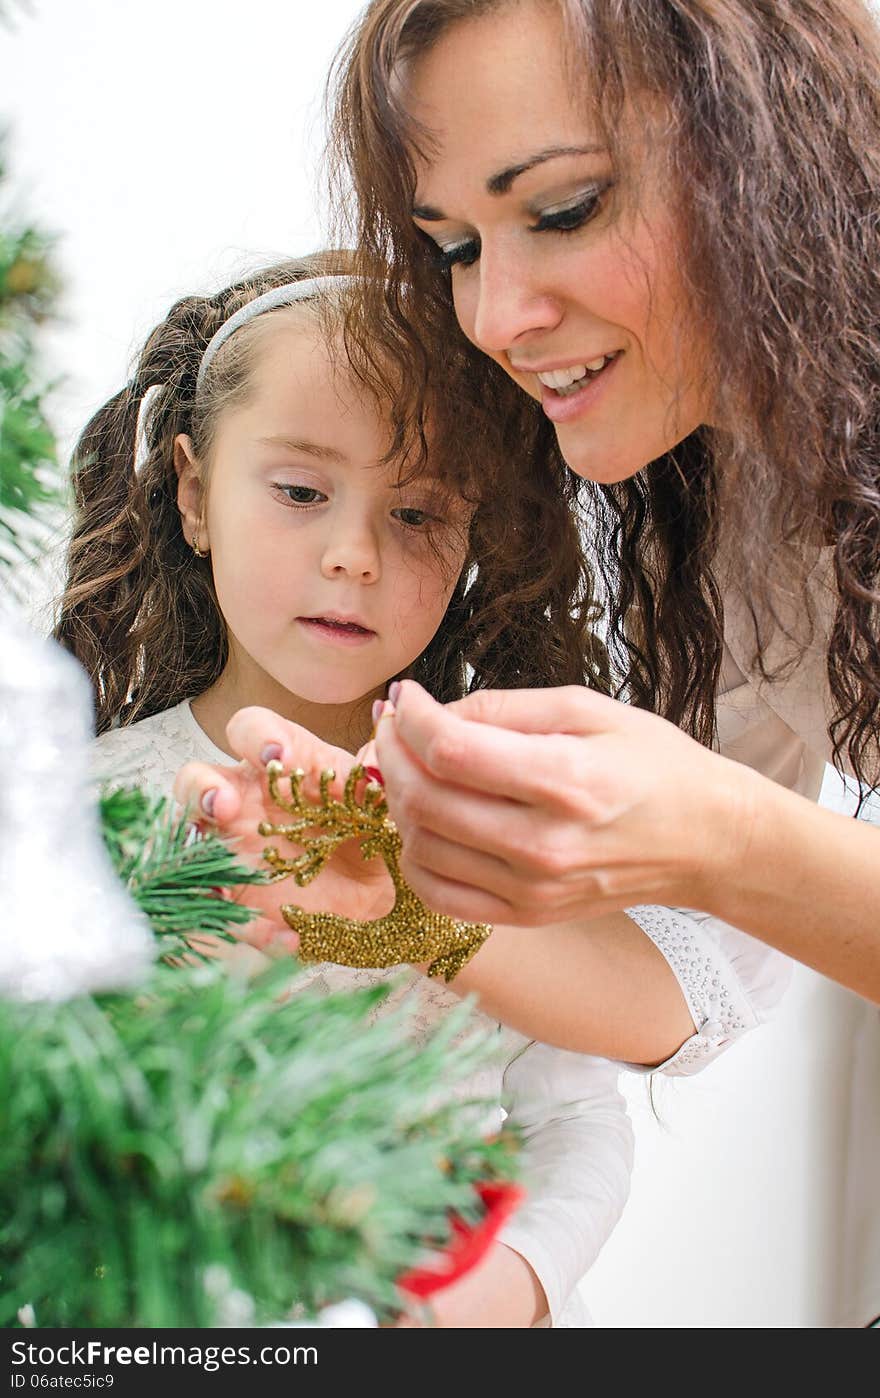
761	832
737	816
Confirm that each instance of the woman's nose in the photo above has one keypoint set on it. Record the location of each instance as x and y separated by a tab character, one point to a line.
509	301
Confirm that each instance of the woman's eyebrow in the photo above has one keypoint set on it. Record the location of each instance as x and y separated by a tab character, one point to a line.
502	181
323	453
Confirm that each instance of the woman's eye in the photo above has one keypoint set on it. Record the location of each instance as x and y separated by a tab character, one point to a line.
412	518
300	494
462	254
567	218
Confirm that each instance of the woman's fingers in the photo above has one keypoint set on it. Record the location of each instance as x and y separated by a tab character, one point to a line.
515	836
531	889
570	709
469	904
427	735
459	863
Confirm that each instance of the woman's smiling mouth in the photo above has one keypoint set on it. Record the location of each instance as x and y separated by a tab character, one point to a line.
567	381
566	393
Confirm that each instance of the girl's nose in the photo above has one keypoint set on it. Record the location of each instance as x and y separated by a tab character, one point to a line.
353	551
510	301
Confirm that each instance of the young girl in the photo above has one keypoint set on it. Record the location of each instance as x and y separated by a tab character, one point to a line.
246	538
275	545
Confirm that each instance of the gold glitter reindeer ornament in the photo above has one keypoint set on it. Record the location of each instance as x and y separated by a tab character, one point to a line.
410	932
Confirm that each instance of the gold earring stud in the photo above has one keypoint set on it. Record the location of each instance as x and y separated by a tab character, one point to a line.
199	553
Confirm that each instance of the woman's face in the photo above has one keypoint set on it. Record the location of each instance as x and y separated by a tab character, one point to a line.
568	281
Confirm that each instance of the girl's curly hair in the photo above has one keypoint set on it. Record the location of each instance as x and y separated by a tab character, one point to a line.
139	609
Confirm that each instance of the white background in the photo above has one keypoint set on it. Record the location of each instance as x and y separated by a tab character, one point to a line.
172	145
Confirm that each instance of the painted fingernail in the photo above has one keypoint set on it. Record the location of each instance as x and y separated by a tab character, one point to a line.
375	775
270	753
377	708
393	691
207	801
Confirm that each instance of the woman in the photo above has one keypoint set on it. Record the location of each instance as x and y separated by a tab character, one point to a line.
659	220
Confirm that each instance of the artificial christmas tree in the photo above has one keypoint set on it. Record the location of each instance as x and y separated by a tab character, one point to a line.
179	1146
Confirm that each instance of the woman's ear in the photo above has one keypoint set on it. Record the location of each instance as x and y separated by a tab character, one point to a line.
190	496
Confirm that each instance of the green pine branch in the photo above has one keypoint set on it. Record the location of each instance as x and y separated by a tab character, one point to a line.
172	877
209	1150
30	481
212	1151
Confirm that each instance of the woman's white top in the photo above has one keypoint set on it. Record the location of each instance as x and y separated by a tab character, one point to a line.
578	1140
780	727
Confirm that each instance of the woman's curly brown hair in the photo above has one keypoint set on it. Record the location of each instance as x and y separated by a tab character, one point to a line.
771	126
139	609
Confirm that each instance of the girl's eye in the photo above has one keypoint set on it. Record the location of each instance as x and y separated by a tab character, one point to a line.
462	254
300	494
412	518
567	218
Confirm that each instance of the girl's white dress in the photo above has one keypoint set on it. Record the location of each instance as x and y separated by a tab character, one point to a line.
577	1156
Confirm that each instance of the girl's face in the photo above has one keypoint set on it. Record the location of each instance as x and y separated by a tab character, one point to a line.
571	287
331	577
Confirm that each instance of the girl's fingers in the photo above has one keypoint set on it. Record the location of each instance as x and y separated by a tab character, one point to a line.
259	736
210	795
266	936
367	756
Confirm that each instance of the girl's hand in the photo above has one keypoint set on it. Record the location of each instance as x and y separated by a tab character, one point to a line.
501	1293
534	806
233	800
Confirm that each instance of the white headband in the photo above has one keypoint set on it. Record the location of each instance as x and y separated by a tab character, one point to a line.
286	295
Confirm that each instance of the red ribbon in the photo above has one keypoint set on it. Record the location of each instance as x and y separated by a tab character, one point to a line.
470	1242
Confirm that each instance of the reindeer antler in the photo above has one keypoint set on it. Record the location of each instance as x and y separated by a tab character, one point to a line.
341	820
410	932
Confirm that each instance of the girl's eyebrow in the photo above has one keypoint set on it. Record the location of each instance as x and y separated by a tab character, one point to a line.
501	182
301	444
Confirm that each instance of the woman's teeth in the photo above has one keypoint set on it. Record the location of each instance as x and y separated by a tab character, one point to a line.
566	381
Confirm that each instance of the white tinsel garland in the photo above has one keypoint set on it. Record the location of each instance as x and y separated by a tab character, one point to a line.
66	924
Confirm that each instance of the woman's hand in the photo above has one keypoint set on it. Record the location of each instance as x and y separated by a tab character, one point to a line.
233	801
529	807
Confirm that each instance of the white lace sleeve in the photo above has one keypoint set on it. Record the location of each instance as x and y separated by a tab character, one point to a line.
577	1159
730	981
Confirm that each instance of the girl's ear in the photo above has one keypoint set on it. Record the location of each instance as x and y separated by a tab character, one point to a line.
189	493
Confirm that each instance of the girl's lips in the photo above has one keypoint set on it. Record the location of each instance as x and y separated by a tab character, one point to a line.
338	632
566	408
